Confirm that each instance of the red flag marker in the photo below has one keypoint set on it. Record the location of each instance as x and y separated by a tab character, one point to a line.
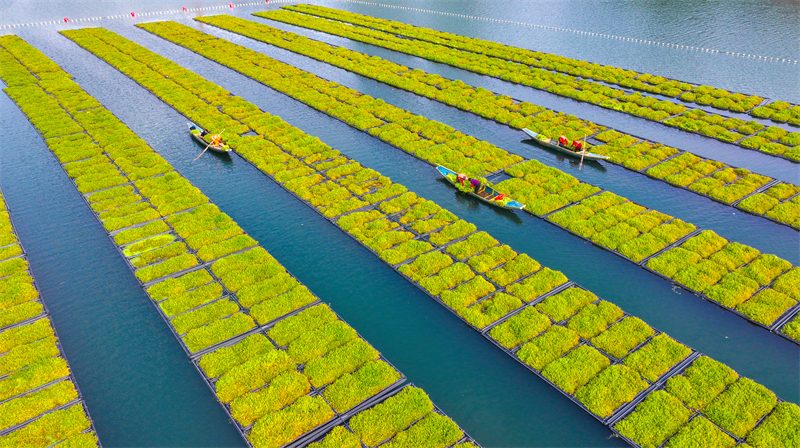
66	20
133	15
230	5
184	9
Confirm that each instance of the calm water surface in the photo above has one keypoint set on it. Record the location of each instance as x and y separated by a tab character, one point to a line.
140	387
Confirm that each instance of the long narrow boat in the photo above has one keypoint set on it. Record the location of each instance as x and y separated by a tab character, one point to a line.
196	132
549	143
486	194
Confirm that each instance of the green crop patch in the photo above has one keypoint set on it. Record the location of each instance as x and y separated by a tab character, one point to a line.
765	268
490	310
475	243
520	328
623	336
351	389
741	406
218	331
337	362
434	430
386	419
18	410
766	306
454	231
566	303
576	368
467	293
339	437
657	357
404	251
593	319
514	269
204	315
700	432
447	278
58	425
537	284
781	428
701	382
308	320
224	359
316	343
175	286
658	417
547	347
252	374
281	427
609	390
282	390
26	354
425	265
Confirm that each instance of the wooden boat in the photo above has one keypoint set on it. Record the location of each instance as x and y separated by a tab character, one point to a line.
223	148
486	194
552	144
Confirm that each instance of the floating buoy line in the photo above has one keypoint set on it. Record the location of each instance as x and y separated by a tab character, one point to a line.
587	33
133	15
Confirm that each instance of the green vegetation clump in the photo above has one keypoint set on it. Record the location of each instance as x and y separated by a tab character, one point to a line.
658	417
576	368
781	428
547	347
564	304
741	406
657	357
623	336
351	389
386	419
537	284
701	432
223	360
281	427
520	328
609	390
701	382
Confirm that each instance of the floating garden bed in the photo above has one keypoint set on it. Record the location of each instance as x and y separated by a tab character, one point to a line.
536	327
620	147
541	71
577	206
209	308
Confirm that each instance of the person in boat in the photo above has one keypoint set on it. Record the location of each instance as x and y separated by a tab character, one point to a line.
203	133
461	178
562	141
216	140
476	185
577	146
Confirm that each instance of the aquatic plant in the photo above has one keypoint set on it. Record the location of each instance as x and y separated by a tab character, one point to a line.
388	418
353	388
657	418
741	406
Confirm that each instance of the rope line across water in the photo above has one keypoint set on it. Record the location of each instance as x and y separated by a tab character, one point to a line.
587	33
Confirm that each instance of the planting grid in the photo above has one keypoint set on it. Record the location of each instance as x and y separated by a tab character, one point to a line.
715	180
383	217
541	71
40	403
627	229
277	395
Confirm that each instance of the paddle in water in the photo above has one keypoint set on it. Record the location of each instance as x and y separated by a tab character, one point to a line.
209	145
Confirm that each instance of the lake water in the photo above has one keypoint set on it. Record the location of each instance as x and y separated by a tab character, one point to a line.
138	384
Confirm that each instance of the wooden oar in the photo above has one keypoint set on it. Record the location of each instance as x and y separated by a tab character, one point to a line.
209	145
583	153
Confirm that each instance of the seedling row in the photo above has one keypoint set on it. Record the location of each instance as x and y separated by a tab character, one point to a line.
460	267
607	220
223	310
19	296
712	179
525	68
709	404
40	403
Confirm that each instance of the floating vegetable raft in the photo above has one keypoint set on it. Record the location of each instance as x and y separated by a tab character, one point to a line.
40	403
284	366
540	71
593	352
627	229
750	192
